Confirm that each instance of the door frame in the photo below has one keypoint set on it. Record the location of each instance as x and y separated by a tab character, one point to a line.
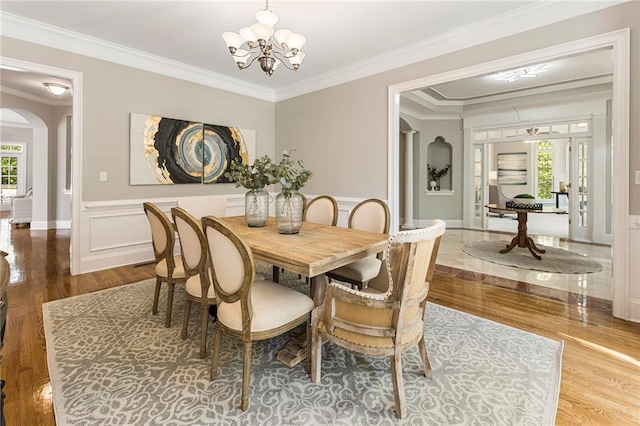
619	41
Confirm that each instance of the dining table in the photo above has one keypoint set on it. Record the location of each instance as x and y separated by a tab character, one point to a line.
313	251
522	239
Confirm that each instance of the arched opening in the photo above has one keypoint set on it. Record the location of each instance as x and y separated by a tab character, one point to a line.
35	136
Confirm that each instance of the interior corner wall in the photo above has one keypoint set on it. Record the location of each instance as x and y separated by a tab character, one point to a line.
112	91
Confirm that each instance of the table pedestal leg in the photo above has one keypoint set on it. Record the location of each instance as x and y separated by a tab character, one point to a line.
295	351
522	239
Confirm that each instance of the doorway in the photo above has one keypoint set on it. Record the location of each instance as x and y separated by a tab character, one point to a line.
75	187
618	42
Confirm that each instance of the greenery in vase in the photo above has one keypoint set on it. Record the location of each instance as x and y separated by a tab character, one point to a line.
435	174
254	176
292	177
527	196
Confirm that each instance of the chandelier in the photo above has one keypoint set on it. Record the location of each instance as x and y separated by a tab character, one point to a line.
262	43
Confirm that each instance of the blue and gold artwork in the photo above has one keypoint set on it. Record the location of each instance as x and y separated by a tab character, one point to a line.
171	151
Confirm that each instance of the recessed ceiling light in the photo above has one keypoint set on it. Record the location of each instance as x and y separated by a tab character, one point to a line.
517	74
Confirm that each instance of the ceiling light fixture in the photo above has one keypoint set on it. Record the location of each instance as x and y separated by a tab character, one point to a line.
268	47
527	72
55	88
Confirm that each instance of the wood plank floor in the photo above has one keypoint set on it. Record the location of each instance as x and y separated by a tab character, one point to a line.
600	366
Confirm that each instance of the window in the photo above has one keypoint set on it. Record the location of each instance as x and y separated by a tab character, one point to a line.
544	170
10	157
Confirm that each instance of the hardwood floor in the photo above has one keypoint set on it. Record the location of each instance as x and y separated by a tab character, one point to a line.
600	366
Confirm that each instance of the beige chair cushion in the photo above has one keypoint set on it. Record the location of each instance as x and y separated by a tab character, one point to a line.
369	217
273	306
194	287
361	270
321	211
178	271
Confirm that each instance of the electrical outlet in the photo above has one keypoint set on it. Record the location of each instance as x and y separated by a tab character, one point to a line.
637	177
103	176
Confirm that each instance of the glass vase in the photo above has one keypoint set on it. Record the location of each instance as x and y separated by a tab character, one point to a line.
289	212
256	208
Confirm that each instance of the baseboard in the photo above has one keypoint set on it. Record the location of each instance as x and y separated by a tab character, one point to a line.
634	310
63	224
42	225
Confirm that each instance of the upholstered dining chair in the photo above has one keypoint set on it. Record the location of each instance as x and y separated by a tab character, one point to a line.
169	267
369	215
387	318
247	309
496	196
199	288
205	205
322	209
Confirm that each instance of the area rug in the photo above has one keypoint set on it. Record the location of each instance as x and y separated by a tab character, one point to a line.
112	362
554	260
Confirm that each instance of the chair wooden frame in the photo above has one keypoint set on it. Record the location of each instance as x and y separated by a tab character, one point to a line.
163	239
243	295
385	230
199	267
316	202
354	315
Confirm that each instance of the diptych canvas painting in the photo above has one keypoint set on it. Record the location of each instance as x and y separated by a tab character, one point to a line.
172	151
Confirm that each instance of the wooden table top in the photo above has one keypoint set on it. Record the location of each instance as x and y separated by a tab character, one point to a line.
316	249
509	209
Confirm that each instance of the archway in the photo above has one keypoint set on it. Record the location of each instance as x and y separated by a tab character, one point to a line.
38	151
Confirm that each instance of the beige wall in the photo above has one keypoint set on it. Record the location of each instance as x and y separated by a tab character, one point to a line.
111	92
342	131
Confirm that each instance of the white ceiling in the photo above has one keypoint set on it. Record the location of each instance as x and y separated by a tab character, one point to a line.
346	39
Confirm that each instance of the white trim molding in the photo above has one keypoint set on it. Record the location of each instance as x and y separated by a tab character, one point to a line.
517	21
619	41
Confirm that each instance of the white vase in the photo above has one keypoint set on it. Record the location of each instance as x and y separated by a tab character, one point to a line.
433	184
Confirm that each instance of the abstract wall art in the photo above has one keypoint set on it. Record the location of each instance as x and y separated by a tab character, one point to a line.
171	151
512	168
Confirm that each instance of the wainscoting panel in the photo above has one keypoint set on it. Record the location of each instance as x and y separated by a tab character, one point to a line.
117	233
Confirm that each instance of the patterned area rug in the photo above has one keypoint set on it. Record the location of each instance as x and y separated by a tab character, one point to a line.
112	362
554	260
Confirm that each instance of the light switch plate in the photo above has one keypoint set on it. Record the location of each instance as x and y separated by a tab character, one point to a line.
637	177
103	176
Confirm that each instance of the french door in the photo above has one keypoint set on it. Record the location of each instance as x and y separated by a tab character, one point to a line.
580	203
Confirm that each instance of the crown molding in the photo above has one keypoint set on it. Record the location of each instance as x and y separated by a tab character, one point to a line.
58	38
514	22
420	116
25	95
519	20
